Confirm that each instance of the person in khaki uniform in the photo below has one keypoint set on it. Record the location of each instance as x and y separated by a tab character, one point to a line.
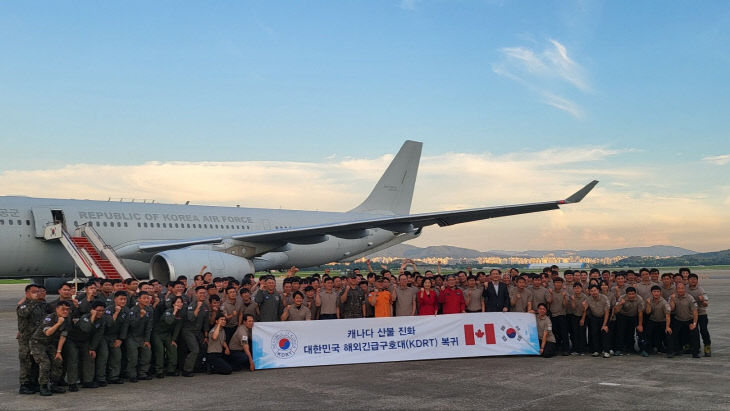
473	295
558	315
540	294
578	319
218	348
629	312
545	332
248	306
296	311
404	297
702	302
328	301
520	297
658	323
599	308
684	321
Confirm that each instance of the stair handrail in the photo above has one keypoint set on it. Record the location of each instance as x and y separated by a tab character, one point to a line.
106	250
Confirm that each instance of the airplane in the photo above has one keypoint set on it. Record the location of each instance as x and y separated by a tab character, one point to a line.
49	239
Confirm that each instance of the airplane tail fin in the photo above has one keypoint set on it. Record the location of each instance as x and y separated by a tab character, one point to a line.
394	191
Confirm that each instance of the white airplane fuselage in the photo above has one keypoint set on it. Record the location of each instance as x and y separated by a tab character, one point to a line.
24	253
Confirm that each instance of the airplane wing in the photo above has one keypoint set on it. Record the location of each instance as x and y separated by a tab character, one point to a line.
397	223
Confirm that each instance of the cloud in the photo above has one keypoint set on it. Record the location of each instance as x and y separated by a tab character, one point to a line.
545	73
626	209
717	160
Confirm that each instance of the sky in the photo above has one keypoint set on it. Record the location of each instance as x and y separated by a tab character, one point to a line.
303	104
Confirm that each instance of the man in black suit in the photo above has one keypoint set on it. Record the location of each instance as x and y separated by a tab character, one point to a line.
496	294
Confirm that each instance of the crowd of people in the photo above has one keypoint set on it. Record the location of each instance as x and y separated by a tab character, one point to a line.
114	331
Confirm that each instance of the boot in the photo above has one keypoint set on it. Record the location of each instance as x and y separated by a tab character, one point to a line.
45	392
25	390
708	351
56	389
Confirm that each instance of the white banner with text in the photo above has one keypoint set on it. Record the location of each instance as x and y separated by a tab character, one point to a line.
327	342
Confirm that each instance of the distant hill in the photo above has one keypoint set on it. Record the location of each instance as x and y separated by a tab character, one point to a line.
713	258
410	251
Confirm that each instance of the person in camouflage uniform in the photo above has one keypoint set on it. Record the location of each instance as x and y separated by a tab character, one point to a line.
30	312
46	345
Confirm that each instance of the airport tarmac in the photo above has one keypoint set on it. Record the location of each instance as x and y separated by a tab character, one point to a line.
627	382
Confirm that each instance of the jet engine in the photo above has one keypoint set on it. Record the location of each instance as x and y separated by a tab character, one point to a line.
168	265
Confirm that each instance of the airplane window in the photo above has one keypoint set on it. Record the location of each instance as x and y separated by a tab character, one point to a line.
125	224
20	222
27	222
216	226
76	223
10	222
145	225
140	224
104	223
98	224
158	225
188	225
164	225
2	222
176	225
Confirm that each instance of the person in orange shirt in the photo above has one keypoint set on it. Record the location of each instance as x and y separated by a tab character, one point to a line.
381	299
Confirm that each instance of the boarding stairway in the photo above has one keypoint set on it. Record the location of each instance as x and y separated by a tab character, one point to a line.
92	255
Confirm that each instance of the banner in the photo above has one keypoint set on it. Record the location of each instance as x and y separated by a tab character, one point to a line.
326	342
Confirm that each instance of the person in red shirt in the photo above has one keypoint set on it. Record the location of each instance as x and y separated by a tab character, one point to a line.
428	303
452	298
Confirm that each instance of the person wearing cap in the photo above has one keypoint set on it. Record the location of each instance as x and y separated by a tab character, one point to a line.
381	299
658	324
629	312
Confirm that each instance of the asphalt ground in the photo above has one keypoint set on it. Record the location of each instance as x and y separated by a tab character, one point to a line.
626	382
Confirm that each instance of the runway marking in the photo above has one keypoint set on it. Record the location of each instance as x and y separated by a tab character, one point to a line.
610	384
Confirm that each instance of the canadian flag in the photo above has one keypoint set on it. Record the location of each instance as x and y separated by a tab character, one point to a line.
487	333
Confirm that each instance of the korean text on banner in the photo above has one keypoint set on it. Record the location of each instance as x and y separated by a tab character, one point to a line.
327	342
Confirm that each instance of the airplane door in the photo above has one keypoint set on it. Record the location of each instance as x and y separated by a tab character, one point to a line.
42	216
